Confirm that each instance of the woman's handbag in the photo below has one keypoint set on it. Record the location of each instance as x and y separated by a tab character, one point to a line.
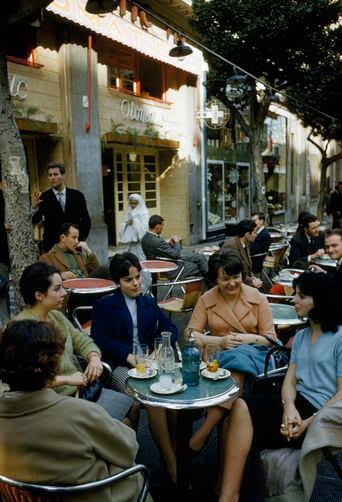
272	381
92	391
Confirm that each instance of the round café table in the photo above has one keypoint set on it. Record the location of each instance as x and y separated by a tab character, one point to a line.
207	393
84	291
285	315
89	285
325	262
158	266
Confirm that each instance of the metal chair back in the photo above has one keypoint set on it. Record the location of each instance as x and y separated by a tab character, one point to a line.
17	491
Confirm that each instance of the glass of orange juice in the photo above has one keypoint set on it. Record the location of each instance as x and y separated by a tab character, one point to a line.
212	357
140	353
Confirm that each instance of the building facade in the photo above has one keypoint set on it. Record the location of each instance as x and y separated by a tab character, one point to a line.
102	95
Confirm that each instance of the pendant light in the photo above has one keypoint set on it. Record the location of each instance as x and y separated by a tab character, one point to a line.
101	6
181	50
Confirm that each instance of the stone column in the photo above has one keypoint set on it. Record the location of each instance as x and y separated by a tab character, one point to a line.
82	149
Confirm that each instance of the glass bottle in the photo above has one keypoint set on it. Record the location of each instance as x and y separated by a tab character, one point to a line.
166	362
191	360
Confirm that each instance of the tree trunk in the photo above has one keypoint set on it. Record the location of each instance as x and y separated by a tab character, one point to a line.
322	187
257	170
22	248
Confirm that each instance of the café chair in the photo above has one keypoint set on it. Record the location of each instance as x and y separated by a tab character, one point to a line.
18	491
78	318
191	290
272	262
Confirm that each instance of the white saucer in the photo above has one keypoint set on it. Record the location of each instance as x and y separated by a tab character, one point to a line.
150	374
155	387
203	365
213	376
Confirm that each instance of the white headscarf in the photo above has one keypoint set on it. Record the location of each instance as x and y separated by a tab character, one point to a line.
140	208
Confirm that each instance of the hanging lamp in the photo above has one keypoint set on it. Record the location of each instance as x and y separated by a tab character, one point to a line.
100	6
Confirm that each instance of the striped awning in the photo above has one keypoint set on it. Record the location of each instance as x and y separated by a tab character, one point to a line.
152	42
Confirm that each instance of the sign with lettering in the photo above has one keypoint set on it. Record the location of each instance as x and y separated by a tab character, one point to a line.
18	86
130	110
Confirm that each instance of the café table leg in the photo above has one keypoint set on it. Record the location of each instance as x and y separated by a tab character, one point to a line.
184	432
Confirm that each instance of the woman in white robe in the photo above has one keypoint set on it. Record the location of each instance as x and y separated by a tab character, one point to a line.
135	225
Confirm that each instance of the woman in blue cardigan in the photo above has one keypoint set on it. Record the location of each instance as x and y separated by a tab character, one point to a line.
127	318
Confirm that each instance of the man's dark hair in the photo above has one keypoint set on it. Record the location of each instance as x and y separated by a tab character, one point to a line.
245	226
56	165
36	277
260	215
66	227
326	298
307	219
120	264
228	259
333	231
154	221
29	354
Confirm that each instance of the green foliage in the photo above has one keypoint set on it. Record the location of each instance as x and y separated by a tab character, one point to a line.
151	130
273	40
321	86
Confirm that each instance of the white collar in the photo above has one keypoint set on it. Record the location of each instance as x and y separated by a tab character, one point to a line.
260	229
153	233
56	192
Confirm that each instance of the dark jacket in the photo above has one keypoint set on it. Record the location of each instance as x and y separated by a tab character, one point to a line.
112	327
75	212
244	254
154	246
301	248
260	246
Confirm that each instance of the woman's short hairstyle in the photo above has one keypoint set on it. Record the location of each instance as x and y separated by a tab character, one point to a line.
228	259
29	354
120	265
36	277
326	297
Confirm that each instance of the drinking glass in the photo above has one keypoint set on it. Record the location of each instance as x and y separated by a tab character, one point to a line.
158	342
212	357
178	375
140	353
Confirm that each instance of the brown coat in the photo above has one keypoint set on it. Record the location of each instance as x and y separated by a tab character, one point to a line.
252	313
244	254
53	439
55	257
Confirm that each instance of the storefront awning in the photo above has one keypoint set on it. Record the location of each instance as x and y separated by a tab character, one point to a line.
152	42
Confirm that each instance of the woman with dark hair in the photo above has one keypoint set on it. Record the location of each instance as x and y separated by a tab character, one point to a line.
43	293
48	438
128	318
239	319
313	380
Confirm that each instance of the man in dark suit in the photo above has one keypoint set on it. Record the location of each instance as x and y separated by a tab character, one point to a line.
261	244
154	245
60	205
307	244
246	234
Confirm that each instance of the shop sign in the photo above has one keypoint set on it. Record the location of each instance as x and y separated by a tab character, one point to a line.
18	87
130	110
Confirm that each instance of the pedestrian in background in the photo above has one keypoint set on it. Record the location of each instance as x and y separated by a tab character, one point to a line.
134	225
